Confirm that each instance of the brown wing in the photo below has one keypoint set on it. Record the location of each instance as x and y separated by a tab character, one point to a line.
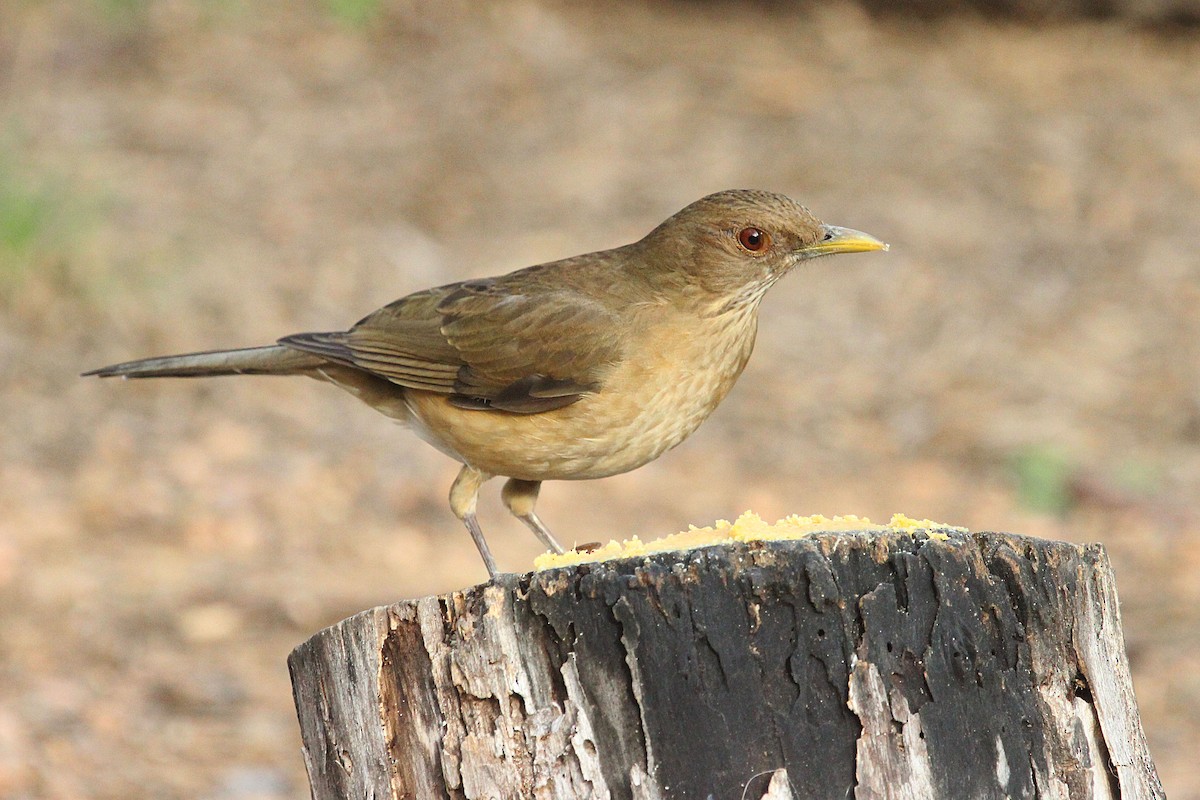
486	344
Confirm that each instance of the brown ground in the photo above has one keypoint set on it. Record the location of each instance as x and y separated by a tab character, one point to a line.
184	175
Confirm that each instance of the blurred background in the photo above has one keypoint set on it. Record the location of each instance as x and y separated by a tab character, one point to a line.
188	175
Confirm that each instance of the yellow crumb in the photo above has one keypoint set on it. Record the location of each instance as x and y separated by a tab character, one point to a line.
748	527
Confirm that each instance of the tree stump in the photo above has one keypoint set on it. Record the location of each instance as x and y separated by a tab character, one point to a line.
868	665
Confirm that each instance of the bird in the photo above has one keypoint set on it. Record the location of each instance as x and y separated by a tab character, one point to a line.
581	368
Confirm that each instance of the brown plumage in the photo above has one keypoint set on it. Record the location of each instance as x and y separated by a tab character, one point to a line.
580	368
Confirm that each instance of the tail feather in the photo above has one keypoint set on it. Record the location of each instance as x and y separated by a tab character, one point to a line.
270	360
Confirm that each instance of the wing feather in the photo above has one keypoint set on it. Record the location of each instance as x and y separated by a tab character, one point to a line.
499	344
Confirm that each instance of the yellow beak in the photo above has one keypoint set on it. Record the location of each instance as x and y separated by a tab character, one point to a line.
843	240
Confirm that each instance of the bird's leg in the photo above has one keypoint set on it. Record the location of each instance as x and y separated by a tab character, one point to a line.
519	497
463	495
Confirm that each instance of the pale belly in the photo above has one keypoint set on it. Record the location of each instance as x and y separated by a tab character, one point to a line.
647	406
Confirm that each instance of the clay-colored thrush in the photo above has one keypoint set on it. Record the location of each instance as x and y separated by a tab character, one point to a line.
580	368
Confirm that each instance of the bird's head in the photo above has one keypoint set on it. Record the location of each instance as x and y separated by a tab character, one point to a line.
734	245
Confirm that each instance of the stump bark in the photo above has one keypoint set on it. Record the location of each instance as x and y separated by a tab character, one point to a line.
868	665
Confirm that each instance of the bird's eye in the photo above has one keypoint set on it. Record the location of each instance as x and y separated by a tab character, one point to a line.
753	239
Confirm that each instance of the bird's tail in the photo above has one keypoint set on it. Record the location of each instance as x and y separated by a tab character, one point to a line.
270	360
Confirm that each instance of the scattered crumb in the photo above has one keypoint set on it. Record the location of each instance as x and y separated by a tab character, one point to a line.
748	527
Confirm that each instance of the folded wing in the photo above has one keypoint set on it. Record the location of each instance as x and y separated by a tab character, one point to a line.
486	344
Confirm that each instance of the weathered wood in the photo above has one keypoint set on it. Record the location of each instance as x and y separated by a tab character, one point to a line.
872	665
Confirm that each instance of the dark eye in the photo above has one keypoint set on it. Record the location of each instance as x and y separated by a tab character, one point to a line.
753	239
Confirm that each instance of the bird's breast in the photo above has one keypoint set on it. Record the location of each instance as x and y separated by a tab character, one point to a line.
677	371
